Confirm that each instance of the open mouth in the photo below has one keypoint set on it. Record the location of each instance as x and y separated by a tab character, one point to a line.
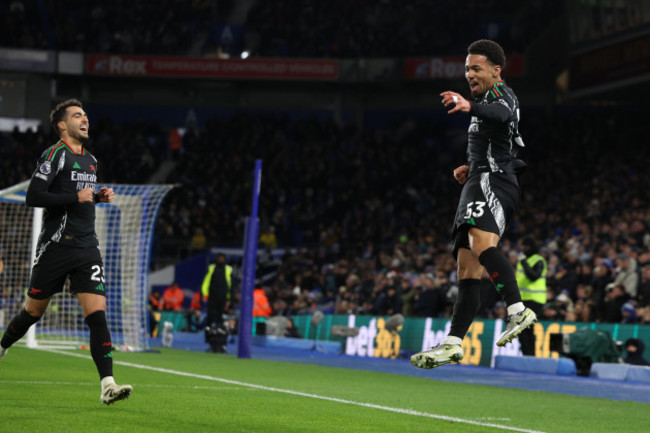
83	128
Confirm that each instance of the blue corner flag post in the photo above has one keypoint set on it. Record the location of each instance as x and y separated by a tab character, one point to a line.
248	277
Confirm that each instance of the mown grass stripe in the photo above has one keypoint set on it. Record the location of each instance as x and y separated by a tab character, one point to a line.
305	394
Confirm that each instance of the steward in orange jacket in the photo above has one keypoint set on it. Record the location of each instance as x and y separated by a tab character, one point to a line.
261	306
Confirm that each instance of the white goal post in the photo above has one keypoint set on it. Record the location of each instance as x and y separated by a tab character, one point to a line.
125	230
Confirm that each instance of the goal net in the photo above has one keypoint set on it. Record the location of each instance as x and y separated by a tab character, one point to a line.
125	231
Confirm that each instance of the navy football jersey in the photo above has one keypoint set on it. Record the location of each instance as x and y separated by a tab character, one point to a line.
60	173
493	136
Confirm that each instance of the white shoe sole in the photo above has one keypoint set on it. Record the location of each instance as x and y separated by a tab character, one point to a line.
424	361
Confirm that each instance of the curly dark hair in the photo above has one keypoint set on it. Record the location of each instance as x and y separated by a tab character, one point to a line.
489	49
58	113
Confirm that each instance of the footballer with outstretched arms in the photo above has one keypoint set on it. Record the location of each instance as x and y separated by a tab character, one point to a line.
64	183
489	197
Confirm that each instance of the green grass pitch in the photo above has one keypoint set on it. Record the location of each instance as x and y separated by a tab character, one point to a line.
178	391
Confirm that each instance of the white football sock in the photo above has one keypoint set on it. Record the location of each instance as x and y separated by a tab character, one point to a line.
452	341
108	380
516	308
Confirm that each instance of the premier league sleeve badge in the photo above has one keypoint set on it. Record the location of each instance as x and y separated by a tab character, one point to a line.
45	168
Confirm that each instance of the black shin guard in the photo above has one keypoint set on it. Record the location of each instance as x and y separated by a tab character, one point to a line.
101	346
467	305
501	274
18	326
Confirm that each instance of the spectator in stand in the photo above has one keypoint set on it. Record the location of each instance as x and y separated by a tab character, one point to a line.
626	274
602	278
584	306
344	302
327	303
430	302
392	302
353	283
198	241
584	273
173	297
559	308
634	349
628	312
268	238
410	294
564	279
448	292
615	298
380	289
261	306
197	301
303	303
291	331
643	293
196	321
586	311
195	316
281	308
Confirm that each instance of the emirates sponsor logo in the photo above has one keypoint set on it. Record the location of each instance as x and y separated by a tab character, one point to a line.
79	176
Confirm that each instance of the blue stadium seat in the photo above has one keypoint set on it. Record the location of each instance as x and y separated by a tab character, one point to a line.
627	372
560	366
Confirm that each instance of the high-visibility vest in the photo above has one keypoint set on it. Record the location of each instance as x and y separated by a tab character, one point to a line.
532	290
205	287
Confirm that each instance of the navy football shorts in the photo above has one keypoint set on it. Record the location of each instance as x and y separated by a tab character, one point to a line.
55	263
487	201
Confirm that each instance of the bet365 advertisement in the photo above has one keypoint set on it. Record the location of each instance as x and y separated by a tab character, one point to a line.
416	334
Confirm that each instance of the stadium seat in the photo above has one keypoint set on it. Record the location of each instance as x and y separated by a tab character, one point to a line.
333	347
529	364
627	372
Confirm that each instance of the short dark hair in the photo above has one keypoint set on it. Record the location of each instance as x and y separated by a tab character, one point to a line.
489	49
58	113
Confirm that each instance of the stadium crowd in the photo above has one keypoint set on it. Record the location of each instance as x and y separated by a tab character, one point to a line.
365	214
167	27
282	28
384	28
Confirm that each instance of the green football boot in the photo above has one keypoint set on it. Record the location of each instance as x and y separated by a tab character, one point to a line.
437	356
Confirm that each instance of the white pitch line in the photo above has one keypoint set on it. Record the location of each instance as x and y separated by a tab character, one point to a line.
308	395
139	385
